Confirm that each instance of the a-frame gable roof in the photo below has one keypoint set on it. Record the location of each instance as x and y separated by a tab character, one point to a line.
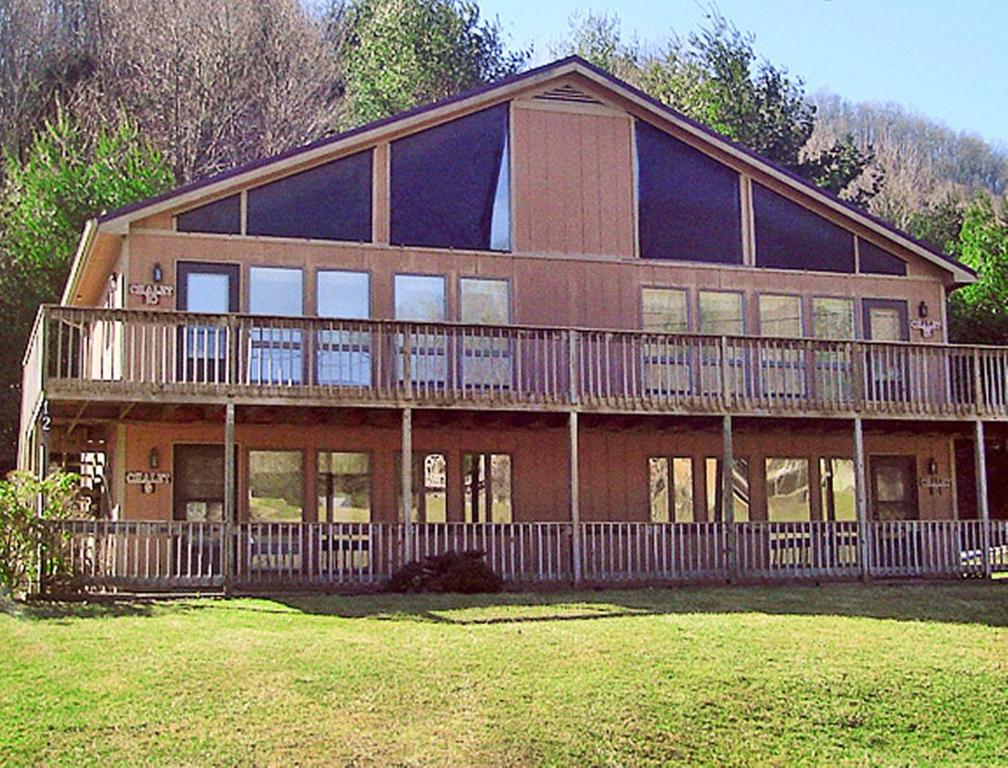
117	221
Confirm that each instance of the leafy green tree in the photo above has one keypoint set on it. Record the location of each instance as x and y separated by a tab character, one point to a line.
716	78
400	53
23	536
979	312
66	177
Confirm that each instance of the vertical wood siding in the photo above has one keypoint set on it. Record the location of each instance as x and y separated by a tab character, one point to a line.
573	183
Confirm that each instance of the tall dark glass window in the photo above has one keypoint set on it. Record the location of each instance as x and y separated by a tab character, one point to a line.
689	207
449	184
789	236
221	217
329	202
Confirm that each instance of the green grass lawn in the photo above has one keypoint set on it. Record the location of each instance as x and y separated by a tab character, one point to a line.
838	675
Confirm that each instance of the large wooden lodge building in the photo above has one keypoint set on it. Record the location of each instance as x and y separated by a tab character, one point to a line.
540	319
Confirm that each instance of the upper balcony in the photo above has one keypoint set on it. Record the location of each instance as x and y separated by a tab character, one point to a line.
79	354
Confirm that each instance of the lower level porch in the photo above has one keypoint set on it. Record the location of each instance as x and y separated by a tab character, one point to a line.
198	497
153	556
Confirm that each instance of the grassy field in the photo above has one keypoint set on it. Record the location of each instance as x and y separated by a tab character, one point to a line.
838	675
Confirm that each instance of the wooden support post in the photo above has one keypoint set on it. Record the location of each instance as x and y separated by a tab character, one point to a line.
230	516
229	463
983	510
575	497
407	483
861	500
42	428
728	496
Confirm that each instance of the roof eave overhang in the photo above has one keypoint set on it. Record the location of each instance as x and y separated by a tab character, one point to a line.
77	268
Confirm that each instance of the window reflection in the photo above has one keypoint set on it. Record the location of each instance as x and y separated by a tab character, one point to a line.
486	356
667	363
486	482
500	223
670	494
740	488
421	298
721	312
782	367
832	318
429	484
344	487
787	490
780	315
275	493
276	356
836	480
343	356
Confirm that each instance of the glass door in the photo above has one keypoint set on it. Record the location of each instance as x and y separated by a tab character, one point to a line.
486	353
893	488
343	346
667	364
781	363
202	347
275	354
887	366
420	299
723	313
198	483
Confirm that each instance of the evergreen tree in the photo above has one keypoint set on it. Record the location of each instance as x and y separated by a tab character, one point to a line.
67	177
396	54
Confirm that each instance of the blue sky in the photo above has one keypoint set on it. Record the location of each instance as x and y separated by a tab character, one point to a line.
944	59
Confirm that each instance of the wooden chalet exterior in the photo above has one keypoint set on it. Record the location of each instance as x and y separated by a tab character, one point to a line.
540	320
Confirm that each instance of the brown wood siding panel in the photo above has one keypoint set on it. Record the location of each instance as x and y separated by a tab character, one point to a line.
613	461
546	290
573	183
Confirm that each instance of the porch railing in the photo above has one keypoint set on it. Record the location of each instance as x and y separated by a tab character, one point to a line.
142	556
126	353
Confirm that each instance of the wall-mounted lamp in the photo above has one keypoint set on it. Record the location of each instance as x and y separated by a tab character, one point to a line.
922	310
932	466
157	274
154	459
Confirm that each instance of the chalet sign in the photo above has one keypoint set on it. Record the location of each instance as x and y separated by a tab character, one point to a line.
148	481
151	292
926	327
934	483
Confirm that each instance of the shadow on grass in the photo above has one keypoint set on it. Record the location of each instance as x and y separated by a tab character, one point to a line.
953	603
959	603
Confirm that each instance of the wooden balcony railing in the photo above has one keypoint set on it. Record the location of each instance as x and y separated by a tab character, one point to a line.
134	354
85	555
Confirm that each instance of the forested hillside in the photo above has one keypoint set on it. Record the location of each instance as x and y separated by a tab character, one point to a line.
923	161
103	102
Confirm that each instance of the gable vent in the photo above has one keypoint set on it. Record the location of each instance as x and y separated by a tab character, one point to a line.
567	93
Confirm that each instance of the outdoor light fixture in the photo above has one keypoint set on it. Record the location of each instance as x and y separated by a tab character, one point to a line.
154	459
157	274
922	310
932	466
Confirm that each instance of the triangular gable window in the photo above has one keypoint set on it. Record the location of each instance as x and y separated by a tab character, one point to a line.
222	217
789	236
876	261
689	203
449	184
329	202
